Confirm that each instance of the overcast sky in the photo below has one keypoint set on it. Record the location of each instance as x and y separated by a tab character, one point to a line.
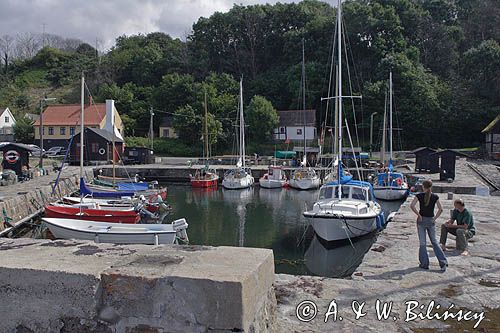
108	19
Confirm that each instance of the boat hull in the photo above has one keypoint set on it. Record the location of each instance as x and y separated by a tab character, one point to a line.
305	183
238	183
203	183
110	216
108	233
390	193
334	228
271	183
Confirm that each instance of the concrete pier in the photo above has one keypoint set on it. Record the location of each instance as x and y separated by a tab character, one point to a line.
389	273
71	286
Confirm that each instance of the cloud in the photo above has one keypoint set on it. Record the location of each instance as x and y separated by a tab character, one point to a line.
105	20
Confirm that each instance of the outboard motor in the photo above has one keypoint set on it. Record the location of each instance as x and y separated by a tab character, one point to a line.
180	227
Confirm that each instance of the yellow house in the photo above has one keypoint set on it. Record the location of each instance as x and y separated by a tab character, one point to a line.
61	122
166	128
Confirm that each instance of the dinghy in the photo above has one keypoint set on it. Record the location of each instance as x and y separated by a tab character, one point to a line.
89	214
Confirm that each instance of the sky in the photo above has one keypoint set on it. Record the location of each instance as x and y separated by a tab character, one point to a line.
105	20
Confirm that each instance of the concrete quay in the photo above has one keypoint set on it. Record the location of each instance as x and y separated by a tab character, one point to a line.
72	286
389	273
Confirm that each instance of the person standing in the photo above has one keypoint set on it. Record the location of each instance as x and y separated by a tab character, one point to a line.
426	223
463	230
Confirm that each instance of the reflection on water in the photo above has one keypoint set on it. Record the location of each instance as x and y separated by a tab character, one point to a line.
266	218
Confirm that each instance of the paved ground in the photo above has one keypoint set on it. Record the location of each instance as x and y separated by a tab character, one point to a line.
390	272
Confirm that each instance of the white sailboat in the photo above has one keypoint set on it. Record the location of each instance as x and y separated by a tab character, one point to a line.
241	176
390	185
345	208
304	178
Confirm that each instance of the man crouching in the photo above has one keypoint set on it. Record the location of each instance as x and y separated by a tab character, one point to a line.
463	230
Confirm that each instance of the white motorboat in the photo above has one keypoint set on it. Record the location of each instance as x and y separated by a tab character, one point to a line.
241	176
274	178
351	214
102	232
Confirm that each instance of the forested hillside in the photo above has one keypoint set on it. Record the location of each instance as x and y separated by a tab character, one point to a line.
444	54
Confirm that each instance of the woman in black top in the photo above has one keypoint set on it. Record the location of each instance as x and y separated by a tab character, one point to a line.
426	223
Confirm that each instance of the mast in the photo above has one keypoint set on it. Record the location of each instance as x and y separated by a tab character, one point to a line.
336	125
205	134
304	99
390	116
339	82
81	125
242	126
113	147
384	132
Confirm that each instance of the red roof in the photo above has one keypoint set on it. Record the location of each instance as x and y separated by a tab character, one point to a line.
69	114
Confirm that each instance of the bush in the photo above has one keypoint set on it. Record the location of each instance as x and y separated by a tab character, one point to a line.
164	146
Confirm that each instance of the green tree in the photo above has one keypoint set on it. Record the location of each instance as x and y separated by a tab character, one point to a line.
261	118
24	131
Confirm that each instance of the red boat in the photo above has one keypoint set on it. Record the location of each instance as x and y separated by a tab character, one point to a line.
110	216
203	179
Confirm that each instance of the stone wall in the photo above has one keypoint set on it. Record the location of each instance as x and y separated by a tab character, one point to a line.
71	286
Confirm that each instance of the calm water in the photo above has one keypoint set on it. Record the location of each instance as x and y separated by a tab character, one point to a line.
266	218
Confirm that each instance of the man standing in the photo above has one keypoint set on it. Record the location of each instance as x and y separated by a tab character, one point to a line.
463	230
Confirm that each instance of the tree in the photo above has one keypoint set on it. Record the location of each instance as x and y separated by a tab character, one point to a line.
24	131
262	119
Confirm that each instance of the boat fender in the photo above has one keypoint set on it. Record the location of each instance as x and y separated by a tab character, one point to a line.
398	181
380	221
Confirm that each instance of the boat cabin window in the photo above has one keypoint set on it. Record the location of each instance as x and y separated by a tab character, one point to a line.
358	193
330	192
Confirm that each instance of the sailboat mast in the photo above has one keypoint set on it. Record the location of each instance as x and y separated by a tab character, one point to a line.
81	124
339	82
390	116
384	132
205	138
242	126
304	98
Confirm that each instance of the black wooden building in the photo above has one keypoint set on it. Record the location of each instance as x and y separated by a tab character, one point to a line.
447	163
138	155
425	160
15	157
97	147
492	136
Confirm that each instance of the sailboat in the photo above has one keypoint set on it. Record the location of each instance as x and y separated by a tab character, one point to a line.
205	177
345	208
390	185
241	176
304	178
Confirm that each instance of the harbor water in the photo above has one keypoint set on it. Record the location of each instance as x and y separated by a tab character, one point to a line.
267	218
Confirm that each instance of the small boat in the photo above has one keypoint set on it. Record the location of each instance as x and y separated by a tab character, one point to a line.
204	178
304	179
241	176
89	214
107	192
102	232
274	178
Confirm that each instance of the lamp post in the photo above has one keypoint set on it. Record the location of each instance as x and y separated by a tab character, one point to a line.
371	132
40	165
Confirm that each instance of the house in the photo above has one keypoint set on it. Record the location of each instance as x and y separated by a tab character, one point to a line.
492	133
61	122
166	128
97	147
291	125
7	122
138	155
425	160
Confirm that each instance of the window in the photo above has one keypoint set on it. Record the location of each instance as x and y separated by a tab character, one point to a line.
94	147
299	131
358	193
282	130
7	119
166	132
71	131
51	130
326	192
62	131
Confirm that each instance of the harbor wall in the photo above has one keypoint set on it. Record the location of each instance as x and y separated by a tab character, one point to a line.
71	286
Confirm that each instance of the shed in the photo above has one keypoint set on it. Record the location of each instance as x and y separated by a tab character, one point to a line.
15	157
492	136
138	155
98	147
447	166
424	161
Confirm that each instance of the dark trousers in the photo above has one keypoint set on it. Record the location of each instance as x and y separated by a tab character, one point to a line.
462	236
